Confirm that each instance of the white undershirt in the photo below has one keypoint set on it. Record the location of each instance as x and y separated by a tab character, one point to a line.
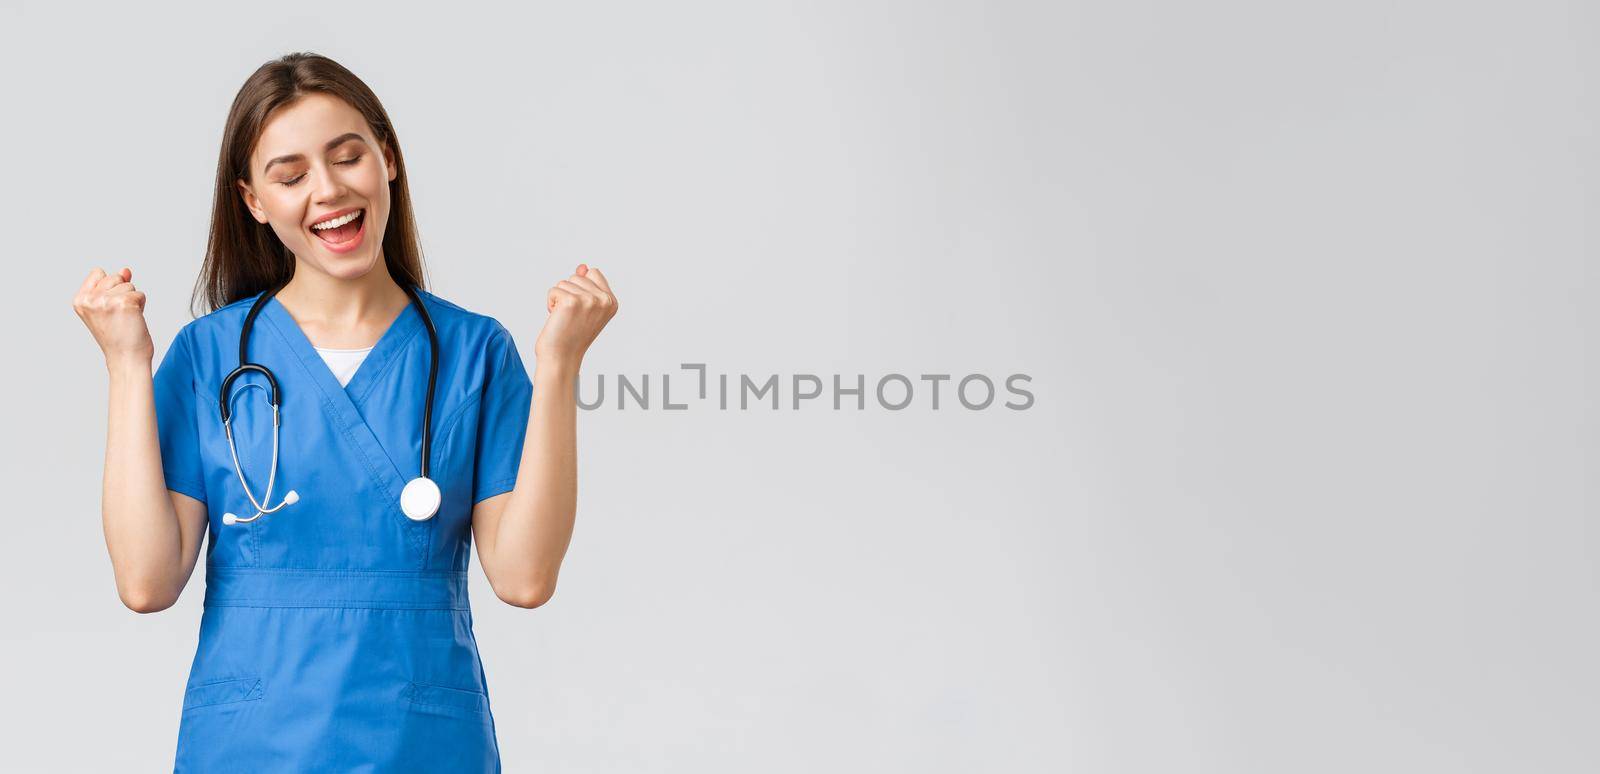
343	362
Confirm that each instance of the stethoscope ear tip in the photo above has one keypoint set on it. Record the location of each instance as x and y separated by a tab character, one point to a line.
291	498
230	519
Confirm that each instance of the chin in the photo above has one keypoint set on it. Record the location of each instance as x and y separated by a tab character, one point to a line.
350	266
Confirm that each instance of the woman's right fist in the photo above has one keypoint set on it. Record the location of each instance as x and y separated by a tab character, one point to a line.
114	311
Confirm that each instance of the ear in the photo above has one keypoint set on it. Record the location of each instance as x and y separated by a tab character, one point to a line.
388	162
251	202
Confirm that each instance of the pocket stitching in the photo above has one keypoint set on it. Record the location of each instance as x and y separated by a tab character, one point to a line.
479	710
254	693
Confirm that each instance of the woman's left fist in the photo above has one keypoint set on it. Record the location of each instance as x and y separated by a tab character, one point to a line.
579	307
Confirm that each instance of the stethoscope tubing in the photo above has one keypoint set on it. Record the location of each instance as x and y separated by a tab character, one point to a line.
272	477
274	400
433	376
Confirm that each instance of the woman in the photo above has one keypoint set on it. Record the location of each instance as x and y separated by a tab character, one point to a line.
336	633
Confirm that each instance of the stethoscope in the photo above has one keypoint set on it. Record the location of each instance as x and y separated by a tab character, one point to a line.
420	498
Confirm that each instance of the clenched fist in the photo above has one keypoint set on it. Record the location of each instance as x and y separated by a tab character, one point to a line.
579	307
114	311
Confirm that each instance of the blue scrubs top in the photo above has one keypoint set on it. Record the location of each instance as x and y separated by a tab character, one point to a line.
336	633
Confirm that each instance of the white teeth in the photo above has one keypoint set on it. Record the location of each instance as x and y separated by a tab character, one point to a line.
336	222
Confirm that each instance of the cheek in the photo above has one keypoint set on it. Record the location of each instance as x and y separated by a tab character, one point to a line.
374	184
286	226
373	187
275	204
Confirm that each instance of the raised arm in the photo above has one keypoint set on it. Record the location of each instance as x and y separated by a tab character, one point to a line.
522	535
152	534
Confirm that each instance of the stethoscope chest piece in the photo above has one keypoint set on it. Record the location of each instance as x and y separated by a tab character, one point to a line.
420	499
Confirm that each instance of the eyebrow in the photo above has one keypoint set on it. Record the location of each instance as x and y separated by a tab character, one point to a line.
330	145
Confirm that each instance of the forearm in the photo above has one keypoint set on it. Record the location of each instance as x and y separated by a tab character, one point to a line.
141	525
535	528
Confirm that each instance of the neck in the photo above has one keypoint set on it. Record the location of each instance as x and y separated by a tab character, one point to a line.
334	303
343	313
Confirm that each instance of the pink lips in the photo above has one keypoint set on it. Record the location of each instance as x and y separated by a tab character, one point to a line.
349	244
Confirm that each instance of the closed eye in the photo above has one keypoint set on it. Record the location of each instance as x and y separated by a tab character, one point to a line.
297	178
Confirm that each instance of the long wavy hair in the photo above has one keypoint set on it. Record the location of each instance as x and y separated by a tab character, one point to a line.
244	257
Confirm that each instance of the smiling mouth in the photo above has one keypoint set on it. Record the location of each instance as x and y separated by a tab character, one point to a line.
342	233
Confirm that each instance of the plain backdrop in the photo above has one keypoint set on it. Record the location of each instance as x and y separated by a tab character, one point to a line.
1306	292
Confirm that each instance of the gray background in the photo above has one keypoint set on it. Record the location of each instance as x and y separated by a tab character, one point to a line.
1306	291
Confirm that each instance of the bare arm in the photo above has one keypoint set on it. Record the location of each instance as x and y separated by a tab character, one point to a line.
523	535
152	534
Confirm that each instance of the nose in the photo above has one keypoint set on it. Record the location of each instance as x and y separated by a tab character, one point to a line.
328	187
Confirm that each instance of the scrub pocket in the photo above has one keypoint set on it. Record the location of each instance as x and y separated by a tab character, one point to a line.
229	691
446	701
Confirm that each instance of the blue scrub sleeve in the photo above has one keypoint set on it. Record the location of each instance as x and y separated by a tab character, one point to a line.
505	404
177	423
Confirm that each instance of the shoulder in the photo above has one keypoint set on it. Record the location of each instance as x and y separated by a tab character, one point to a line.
222	321
479	345
444	310
212	340
462	327
214	336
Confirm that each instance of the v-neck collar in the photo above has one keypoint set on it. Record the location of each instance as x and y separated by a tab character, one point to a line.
339	401
384	354
340	404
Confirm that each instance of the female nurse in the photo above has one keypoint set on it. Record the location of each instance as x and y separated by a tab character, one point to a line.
336	633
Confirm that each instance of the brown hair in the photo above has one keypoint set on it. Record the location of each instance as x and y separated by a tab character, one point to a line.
244	257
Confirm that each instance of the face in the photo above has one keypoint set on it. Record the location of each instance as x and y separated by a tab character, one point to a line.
318	165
